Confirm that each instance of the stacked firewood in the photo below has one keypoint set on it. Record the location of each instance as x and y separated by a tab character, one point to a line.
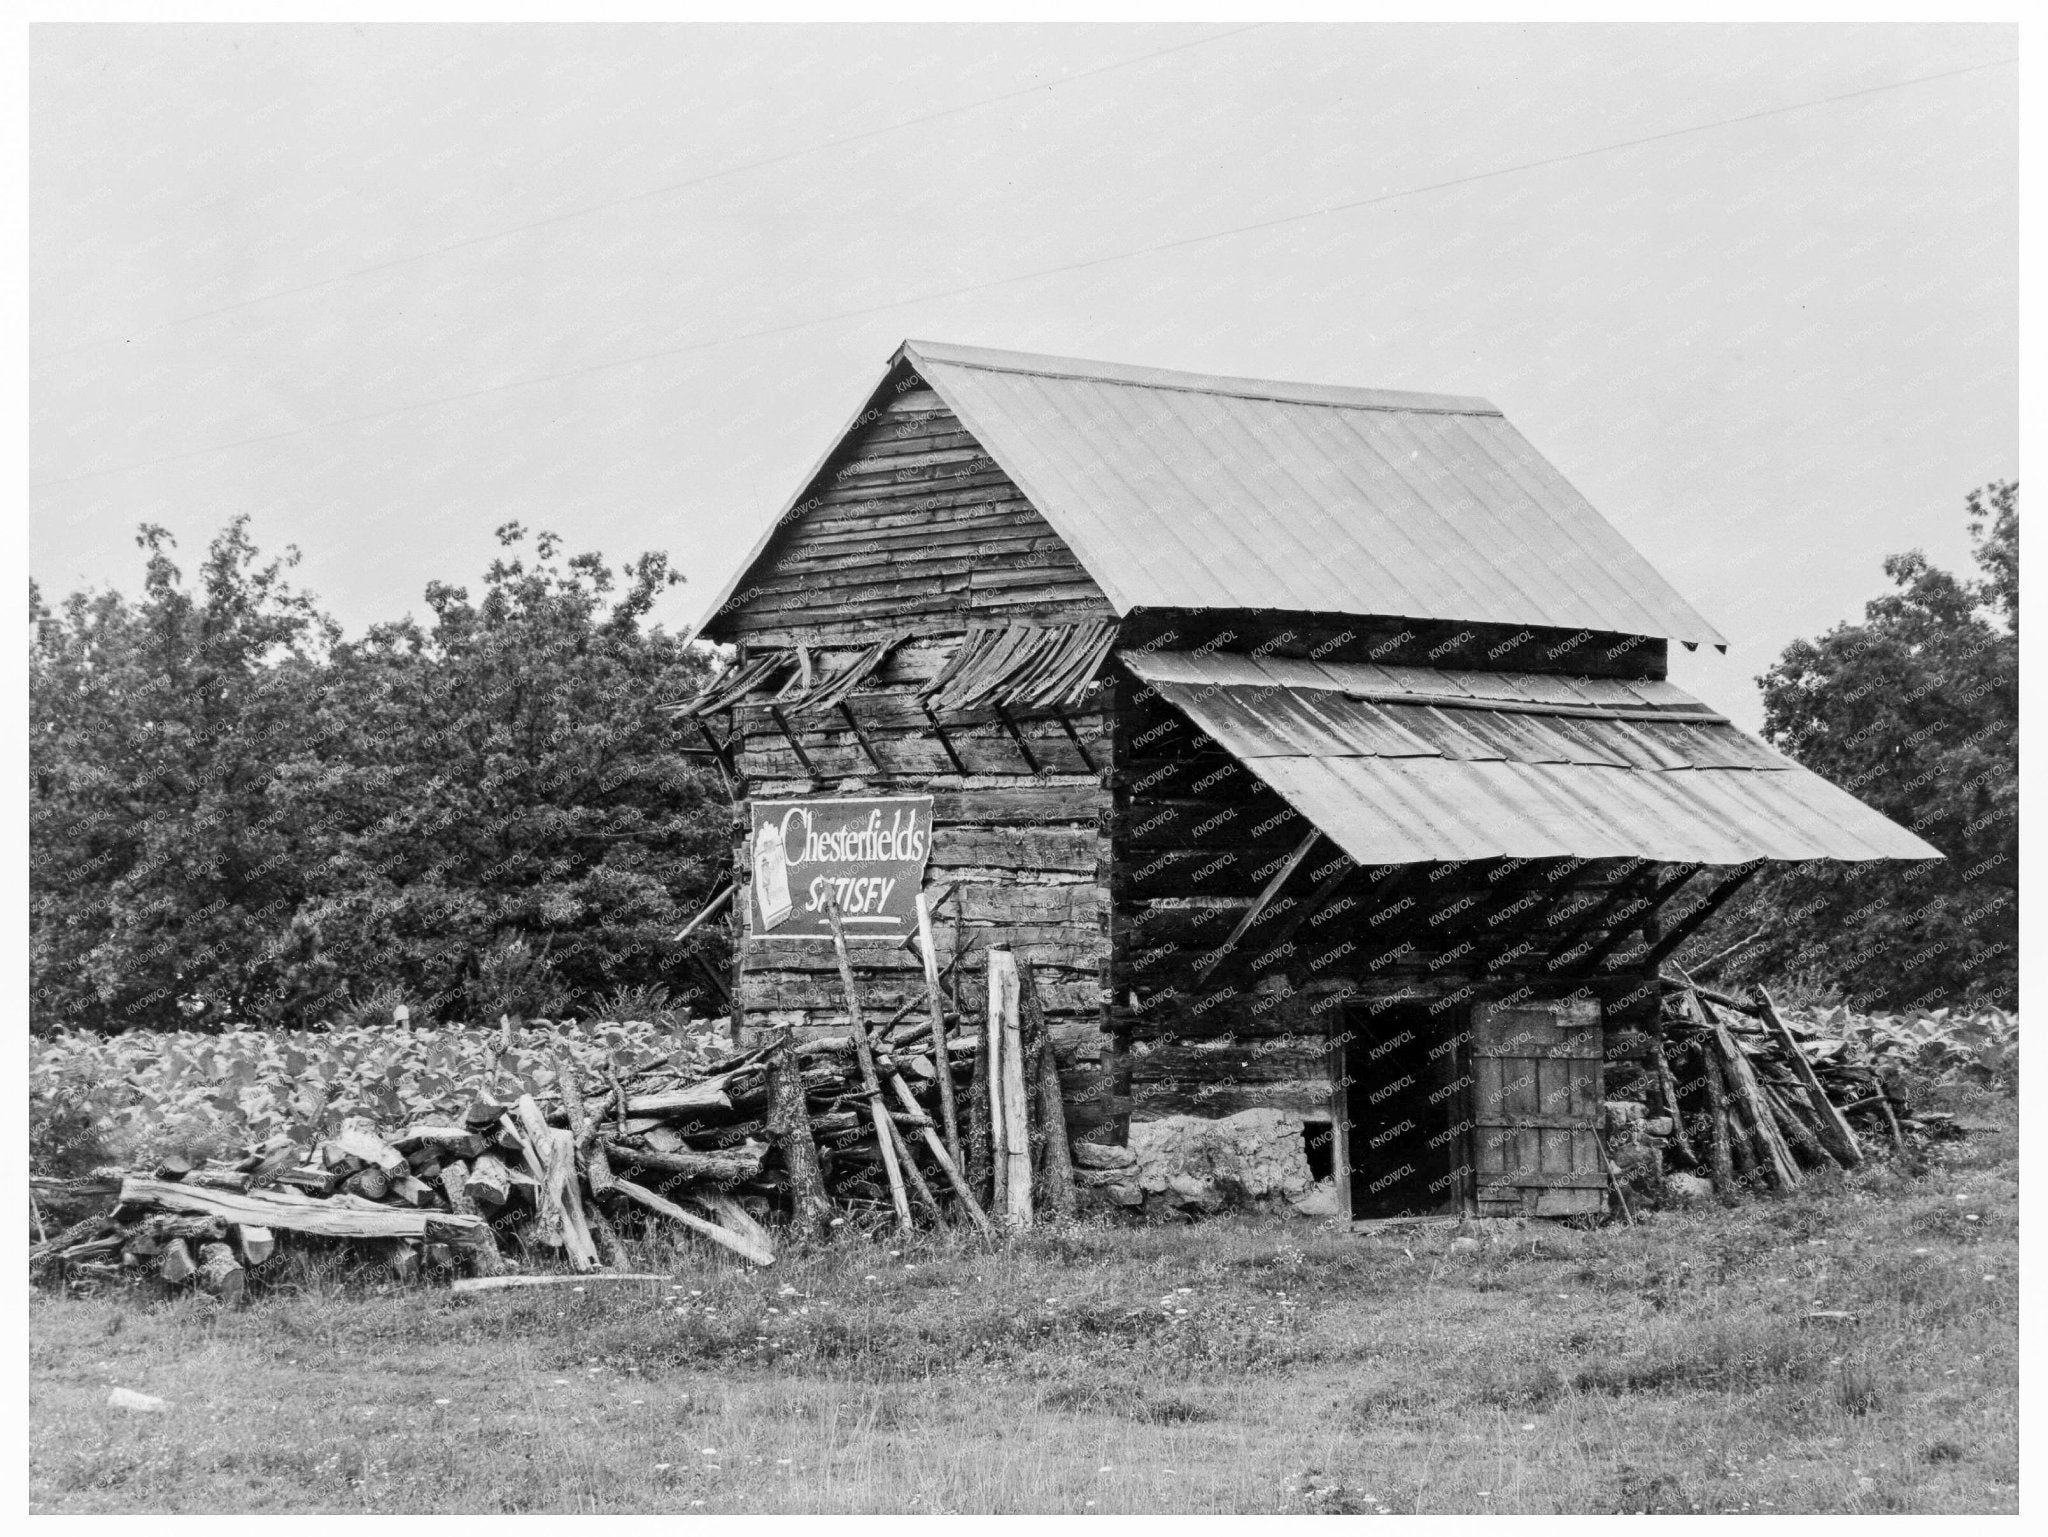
1753	1098
912	1118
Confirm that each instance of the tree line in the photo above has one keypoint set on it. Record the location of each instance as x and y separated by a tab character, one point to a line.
239	816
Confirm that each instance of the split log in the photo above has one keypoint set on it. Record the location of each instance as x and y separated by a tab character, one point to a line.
370	1183
358	1139
560	1205
581	1125
739	1243
1776	1157
1831	1126
728	1168
412	1190
488	1182
455	1182
445	1141
506	1282
809	1207
177	1265
1003	1013
288	1211
314	1181
220	1273
255	1244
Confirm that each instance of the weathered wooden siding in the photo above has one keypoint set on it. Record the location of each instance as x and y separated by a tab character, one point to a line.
912	526
912	529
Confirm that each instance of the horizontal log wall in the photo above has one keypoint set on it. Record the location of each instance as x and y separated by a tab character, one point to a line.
1197	838
913	529
911	526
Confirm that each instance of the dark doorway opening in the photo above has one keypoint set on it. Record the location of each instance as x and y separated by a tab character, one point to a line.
1404	1108
1319	1142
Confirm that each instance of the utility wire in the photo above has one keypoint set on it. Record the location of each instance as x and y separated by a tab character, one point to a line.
642	197
1021	277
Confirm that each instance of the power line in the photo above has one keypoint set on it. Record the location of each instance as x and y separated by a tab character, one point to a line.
641	197
938	295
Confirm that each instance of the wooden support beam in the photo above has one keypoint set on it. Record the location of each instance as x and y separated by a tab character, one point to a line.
1081	747
1288	866
1320	895
1708	906
720	750
1623	890
861	736
1016	735
946	742
782	723
709	912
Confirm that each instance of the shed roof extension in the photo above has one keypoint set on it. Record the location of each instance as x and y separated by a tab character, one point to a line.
1189	491
1404	764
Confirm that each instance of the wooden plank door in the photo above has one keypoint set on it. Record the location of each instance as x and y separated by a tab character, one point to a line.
1536	1109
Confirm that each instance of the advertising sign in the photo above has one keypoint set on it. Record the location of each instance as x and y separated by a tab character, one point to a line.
866	853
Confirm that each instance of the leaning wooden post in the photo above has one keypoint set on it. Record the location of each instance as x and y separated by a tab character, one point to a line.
455	1182
948	1116
588	1148
878	1111
939	1155
1772	1153
1007	1023
1670	1088
1723	1165
1055	1160
1832	1126
809	1208
908	1162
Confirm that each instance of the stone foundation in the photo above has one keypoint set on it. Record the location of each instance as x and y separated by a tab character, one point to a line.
1254	1159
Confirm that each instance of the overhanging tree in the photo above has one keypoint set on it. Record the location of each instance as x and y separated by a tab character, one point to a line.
1916	711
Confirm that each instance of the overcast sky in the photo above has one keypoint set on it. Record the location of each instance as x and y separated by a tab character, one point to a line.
384	288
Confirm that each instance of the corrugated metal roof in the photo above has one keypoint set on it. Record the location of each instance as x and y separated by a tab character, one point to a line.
1187	491
1399	765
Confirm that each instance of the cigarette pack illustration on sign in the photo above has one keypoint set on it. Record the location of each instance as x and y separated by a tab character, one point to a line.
771	875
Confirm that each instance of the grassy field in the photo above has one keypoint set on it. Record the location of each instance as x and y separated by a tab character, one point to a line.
1229	1367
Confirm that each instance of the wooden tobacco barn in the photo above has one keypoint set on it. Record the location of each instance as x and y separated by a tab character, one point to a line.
1313	744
